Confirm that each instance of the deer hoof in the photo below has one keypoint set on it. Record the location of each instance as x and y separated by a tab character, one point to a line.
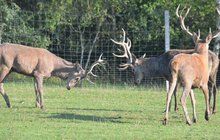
194	120
214	111
8	105
165	121
37	105
189	123
176	109
206	116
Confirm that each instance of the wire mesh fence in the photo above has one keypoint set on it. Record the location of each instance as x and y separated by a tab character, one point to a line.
67	40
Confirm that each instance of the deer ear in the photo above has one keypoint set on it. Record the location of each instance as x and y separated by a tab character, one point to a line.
77	62
208	38
195	38
143	56
134	57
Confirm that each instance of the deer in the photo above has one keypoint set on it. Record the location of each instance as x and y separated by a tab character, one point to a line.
39	63
158	66
191	70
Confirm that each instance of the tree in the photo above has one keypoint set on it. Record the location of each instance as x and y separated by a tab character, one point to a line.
15	26
86	26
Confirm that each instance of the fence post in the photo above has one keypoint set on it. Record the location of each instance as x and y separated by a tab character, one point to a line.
167	36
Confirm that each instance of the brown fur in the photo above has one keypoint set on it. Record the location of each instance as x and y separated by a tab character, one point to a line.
38	63
159	67
193	72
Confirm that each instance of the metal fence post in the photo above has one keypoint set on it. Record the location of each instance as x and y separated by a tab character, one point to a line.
167	36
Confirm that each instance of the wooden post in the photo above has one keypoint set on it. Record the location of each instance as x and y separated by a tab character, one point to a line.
167	36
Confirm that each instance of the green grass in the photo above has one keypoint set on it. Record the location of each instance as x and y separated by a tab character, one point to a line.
99	113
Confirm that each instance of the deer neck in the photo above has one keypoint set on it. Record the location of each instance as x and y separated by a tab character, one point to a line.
151	67
202	50
203	56
62	68
203	53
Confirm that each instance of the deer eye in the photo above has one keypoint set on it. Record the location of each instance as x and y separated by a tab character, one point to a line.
132	71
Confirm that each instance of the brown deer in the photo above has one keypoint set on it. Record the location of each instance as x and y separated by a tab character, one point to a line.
192	71
159	66
38	63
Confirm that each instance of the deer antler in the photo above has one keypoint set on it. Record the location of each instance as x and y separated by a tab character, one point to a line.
182	18
216	34
98	62
127	54
218	10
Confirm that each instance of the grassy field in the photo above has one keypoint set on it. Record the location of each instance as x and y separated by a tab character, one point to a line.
99	113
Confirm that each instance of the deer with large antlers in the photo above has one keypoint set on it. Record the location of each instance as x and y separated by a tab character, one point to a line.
39	63
159	66
191	70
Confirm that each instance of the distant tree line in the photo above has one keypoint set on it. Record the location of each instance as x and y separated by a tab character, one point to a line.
82	25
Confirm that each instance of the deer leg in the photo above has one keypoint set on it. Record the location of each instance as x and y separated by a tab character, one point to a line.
39	81
206	95
170	103
175	99
211	89
171	100
37	103
185	93
4	95
3	74
193	101
169	95
214	110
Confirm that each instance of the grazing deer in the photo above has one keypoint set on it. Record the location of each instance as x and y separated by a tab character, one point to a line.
191	70
159	66
38	63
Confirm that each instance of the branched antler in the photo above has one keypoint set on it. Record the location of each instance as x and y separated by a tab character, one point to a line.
182	19
218	10
217	33
127	54
98	62
186	29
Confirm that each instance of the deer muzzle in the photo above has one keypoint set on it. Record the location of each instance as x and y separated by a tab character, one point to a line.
72	83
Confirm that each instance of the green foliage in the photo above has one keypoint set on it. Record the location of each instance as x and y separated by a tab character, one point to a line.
83	25
144	18
17	27
62	22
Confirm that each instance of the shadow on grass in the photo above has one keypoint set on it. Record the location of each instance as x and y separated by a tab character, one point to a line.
97	109
92	109
70	116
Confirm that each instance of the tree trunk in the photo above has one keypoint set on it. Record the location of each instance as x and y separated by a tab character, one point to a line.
1	32
114	30
82	44
93	45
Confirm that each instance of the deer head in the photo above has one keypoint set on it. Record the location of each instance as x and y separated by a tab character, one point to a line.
79	73
136	64
75	76
199	44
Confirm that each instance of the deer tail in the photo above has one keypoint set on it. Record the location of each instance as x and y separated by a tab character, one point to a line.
174	74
